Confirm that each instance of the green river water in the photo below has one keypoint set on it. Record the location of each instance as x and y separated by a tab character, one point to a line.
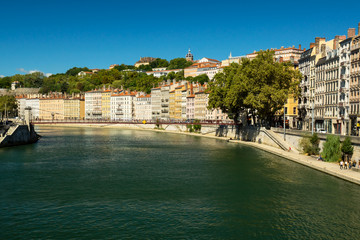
84	183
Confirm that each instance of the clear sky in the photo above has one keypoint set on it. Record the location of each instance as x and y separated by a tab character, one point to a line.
54	35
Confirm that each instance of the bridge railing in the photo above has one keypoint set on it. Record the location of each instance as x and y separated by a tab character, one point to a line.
100	121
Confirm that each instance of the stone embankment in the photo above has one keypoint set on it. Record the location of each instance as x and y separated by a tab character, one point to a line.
18	135
267	140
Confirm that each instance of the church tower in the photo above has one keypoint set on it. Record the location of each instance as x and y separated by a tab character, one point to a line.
189	56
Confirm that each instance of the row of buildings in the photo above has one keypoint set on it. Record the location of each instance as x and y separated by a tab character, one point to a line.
330	98
171	101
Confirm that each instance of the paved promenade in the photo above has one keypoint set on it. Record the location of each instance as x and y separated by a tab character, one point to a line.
326	167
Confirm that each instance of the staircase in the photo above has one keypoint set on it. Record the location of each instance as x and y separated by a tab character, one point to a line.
280	142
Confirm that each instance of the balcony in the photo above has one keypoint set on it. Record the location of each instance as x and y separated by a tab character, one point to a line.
305	94
164	111
355	46
344	76
164	105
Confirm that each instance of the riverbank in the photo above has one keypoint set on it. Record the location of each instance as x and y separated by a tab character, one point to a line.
325	167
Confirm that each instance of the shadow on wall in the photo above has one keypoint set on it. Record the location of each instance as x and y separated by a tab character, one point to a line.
244	133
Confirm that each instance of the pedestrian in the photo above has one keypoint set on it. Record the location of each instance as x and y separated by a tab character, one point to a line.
350	164
341	164
345	166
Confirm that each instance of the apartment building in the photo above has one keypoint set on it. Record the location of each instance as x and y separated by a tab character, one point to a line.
143	107
93	105
122	106
355	82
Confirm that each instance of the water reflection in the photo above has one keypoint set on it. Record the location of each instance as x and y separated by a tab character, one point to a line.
96	183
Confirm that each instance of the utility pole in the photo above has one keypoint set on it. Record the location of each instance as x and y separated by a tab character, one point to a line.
5	115
284	125
312	118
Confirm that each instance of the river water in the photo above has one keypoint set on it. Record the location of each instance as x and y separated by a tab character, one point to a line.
84	183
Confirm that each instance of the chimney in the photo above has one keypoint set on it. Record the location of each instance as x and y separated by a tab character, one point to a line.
323	49
351	32
359	28
336	42
317	44
312	45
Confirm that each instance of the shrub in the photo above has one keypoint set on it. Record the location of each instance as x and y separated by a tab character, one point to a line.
332	150
310	144
346	148
190	127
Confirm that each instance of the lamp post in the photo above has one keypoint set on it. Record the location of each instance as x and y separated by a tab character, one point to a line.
312	118
284	125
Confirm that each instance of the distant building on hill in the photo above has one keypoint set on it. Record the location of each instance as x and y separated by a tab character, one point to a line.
189	56
206	66
144	61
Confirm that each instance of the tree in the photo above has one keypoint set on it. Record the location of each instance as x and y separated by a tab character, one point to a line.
75	70
346	148
332	150
159	63
5	82
261	85
179	63
123	67
202	78
34	80
10	104
310	144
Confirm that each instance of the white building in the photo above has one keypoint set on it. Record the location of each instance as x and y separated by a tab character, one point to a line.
156	103
93	106
34	104
143	107
159	73
122	106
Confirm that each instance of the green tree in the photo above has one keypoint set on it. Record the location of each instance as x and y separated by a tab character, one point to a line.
310	144
179	63
346	147
171	75
123	67
261	85
202	78
34	80
75	70
5	82
332	150
159	62
10	104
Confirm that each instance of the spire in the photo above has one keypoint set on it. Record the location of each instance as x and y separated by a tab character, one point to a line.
230	55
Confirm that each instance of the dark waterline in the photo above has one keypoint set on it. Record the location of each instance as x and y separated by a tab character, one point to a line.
82	183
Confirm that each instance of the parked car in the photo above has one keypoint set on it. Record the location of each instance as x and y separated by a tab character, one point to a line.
321	130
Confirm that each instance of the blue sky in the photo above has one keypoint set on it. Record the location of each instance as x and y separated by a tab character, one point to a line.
52	36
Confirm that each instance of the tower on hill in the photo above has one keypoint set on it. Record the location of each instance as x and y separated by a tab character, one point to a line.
189	56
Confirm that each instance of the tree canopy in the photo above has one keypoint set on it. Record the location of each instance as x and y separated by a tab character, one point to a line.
179	63
261	85
10	103
75	70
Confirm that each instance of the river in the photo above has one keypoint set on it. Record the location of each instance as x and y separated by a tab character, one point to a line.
102	183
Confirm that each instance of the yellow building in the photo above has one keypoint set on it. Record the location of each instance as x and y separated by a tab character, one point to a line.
105	104
74	108
172	104
178	101
51	108
200	104
82	108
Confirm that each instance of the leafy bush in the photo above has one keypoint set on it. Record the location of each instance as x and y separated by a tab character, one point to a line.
346	148
310	144
190	127
332	150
